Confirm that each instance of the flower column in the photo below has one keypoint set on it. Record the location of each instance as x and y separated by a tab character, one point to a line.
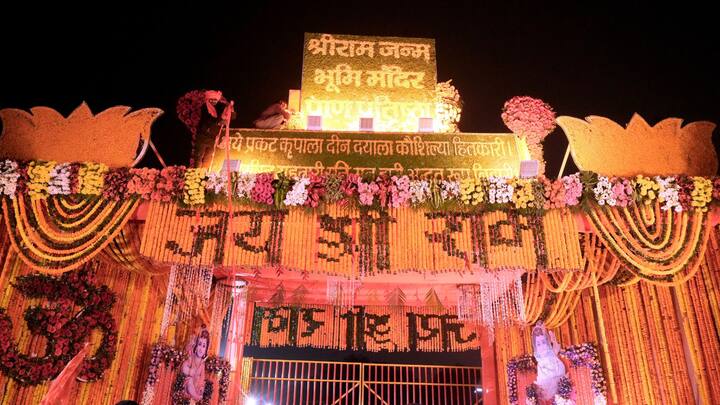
489	369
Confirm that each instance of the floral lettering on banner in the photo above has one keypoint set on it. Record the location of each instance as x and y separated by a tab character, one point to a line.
448	326
203	233
361	325
455	222
364	328
373	238
272	245
288	323
217	232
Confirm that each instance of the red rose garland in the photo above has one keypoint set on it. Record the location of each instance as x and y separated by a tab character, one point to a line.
65	332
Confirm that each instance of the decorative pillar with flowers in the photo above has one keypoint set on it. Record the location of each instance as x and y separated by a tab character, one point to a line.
532	119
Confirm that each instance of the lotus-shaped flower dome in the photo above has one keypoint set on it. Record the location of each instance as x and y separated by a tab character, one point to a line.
111	137
601	145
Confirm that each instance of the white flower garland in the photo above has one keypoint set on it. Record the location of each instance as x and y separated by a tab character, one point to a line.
298	193
216	182
499	191
449	189
59	183
245	183
8	178
419	191
603	192
669	194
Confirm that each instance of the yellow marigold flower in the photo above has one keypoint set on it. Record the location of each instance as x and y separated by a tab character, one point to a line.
91	178
39	174
194	191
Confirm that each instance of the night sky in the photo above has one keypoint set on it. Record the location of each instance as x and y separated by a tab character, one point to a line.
611	59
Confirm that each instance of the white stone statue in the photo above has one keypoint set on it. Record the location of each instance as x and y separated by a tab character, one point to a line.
549	366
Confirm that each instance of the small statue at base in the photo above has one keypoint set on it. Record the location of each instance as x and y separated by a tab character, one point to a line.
274	117
549	366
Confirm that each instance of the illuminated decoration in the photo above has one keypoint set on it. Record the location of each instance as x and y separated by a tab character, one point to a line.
188	293
366	124
531	119
662	247
601	145
448	107
496	300
110	137
59	234
425	125
389	79
332	239
429	155
314	122
361	241
294	100
529	168
581	356
372	328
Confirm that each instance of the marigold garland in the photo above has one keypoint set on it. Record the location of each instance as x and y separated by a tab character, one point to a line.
39	177
176	183
670	258
194	191
92	178
359	240
50	251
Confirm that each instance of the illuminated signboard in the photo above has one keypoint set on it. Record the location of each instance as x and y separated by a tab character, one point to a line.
346	78
425	155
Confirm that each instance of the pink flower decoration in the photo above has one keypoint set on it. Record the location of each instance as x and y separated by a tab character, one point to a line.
142	182
573	189
554	193
169	184
367	192
315	190
622	192
529	116
349	185
263	190
399	191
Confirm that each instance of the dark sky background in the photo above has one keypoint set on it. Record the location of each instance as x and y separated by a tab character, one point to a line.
610	59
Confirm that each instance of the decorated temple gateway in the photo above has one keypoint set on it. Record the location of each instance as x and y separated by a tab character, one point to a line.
356	216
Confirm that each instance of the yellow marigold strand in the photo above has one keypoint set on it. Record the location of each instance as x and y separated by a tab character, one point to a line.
194	192
92	178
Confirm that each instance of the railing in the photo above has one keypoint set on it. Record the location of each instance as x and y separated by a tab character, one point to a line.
280	382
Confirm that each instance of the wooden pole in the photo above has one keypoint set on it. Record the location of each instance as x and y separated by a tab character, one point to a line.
564	162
